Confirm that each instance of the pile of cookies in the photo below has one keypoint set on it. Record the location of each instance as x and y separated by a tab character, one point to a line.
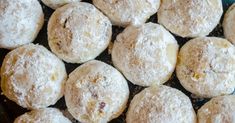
146	54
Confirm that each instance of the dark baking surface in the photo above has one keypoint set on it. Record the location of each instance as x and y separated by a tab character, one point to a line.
9	110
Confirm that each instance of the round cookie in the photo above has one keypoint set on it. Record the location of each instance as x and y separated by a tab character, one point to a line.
146	55
96	93
47	115
128	12
190	18
206	66
32	77
78	32
218	110
20	22
54	4
229	24
161	104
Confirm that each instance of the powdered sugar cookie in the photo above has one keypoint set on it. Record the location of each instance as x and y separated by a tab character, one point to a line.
78	32
146	55
128	12
229	24
206	66
47	115
32	77
161	104
54	4
218	110
20	22
190	18
96	93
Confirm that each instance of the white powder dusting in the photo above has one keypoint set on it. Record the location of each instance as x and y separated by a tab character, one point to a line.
128	12
146	55
190	18
206	66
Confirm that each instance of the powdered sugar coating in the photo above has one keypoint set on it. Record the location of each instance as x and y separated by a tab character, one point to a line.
146	55
78	32
32	77
128	12
190	18
229	24
218	110
96	93
206	66
161	104
20	22
54	4
47	115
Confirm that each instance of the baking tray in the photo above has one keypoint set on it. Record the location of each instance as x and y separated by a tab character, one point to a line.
10	110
